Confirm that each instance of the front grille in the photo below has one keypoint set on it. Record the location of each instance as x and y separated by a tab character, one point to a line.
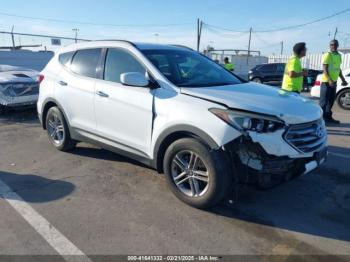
20	89
307	137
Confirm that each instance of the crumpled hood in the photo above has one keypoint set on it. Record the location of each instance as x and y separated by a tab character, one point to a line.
23	76
290	107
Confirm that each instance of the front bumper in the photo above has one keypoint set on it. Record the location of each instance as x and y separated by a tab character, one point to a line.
21	101
256	166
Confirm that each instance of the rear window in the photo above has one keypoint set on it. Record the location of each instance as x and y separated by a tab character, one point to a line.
65	58
85	62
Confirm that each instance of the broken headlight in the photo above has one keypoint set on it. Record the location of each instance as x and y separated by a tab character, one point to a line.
247	121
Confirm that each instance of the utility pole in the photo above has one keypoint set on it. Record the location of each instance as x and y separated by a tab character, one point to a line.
199	33
282	48
335	33
76	30
250	39
13	39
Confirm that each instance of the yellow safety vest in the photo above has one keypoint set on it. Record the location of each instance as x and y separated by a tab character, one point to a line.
333	60
229	66
293	84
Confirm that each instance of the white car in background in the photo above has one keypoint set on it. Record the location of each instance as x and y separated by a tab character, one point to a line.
19	87
343	92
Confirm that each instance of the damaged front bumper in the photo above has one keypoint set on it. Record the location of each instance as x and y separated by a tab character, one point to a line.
19	94
268	159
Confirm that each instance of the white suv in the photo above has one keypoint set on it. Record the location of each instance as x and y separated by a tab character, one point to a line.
180	113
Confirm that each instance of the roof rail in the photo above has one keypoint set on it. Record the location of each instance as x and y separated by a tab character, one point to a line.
115	40
183	46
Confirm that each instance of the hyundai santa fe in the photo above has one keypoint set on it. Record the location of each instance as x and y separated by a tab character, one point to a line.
182	114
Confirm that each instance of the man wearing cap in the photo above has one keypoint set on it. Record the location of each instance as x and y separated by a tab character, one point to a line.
293	72
331	71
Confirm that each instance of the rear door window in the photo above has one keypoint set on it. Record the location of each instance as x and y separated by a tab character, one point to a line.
280	68
269	68
118	62
85	62
65	58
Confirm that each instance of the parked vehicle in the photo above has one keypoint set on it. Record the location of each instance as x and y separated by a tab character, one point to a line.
272	74
343	92
180	113
19	87
267	73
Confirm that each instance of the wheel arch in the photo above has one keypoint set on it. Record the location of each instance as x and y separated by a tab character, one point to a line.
47	105
343	89
174	133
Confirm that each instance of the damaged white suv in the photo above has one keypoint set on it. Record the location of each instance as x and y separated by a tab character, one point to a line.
182	114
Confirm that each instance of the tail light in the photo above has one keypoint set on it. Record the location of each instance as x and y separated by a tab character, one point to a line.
317	83
40	78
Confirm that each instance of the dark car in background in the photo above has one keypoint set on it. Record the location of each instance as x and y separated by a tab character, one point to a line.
272	74
267	73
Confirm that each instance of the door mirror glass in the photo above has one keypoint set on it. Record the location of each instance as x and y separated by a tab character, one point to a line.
134	79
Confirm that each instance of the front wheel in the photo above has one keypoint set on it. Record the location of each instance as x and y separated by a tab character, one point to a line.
344	99
196	175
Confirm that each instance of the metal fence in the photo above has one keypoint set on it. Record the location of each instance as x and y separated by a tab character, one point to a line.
240	62
312	61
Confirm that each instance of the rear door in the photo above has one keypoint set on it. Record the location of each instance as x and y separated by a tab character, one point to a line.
278	76
124	114
75	88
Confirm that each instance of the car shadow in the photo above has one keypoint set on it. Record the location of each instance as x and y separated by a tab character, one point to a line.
33	188
312	204
102	154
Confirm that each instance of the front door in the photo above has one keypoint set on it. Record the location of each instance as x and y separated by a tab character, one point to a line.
124	114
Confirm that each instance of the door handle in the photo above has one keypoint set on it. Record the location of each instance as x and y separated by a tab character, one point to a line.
102	94
62	83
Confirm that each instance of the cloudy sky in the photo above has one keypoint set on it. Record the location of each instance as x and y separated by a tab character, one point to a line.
225	22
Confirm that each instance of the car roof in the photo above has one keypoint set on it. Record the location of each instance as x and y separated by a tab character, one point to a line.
120	43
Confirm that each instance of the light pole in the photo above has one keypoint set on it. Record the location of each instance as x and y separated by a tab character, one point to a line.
76	30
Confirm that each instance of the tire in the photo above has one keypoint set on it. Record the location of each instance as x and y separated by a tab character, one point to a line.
2	110
204	191
343	99
58	131
257	80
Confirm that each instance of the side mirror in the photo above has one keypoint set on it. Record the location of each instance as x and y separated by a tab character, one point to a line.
134	79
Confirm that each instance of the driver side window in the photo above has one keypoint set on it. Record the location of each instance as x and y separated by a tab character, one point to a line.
118	62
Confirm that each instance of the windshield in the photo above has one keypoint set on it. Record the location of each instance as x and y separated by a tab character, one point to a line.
190	69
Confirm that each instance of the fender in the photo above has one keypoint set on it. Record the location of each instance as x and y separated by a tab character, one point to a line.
41	116
187	130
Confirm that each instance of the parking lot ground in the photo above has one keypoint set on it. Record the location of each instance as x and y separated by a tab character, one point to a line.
100	203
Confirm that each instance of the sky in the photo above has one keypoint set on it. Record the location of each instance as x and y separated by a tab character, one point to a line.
174	22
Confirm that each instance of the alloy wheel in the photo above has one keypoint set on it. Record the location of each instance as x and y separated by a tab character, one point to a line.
190	174
55	129
345	100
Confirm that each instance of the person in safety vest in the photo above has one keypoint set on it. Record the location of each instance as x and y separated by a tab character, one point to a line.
293	78
331	71
229	66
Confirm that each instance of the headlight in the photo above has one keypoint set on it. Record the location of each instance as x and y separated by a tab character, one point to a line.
246	121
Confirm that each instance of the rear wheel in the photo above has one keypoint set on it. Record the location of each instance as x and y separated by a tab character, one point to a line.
343	99
196	175
57	130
